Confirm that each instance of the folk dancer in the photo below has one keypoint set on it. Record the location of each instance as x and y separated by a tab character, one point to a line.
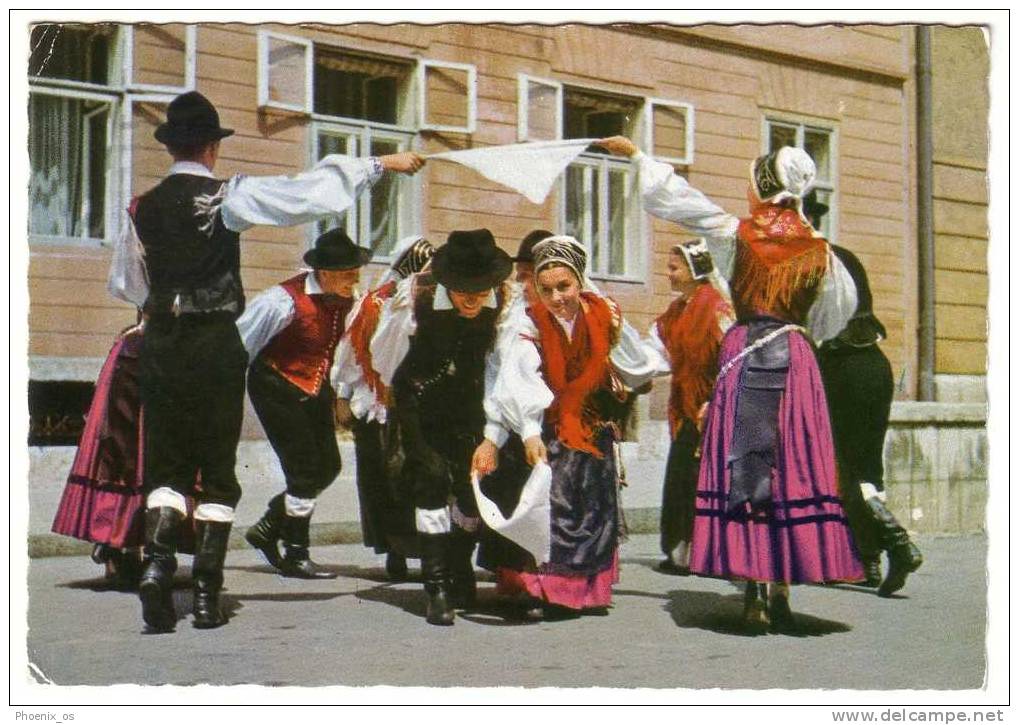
767	496
432	349
184	236
363	403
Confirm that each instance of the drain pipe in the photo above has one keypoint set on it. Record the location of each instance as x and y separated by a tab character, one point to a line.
925	213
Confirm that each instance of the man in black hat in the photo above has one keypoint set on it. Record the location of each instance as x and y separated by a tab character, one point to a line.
446	323
859	386
192	361
290	332
523	263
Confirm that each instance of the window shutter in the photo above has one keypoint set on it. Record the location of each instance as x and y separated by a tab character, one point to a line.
669	131
285	72
160	58
447	96
539	109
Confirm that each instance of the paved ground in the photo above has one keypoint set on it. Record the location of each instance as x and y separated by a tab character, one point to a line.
663	632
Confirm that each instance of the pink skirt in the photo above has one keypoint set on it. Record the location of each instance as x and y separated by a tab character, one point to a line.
574	592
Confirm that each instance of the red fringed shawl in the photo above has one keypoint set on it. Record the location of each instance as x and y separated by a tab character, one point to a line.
575	368
779	262
692	335
361	331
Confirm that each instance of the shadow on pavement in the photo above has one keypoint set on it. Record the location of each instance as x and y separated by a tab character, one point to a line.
723	613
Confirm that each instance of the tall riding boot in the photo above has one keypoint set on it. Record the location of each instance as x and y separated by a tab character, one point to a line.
211	540
265	534
296	561
903	555
755	608
162	529
435	574
464	586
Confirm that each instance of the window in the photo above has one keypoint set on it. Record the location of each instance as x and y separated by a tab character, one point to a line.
71	109
362	108
601	206
819	143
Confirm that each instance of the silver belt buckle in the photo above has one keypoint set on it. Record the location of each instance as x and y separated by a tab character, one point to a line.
175	308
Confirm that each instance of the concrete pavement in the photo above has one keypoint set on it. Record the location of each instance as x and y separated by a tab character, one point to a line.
662	632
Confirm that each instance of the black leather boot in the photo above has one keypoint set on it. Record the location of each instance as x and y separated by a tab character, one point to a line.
155	589
265	534
211	538
396	567
903	555
779	611
296	562
435	574
463	592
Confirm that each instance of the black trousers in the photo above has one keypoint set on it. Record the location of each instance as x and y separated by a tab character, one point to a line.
679	493
434	486
300	428
192	393
386	504
859	386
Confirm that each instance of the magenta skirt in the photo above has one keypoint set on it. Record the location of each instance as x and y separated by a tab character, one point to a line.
103	500
804	536
564	590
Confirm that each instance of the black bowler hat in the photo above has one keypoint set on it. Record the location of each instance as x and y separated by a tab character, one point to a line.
335	250
525	252
191	120
470	262
812	208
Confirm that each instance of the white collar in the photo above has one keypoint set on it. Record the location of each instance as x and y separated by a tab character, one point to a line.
443	302
311	285
189	167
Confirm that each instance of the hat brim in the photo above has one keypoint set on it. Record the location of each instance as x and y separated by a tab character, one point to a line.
502	265
169	136
316	260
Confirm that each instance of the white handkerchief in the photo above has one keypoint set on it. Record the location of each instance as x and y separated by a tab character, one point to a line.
530	525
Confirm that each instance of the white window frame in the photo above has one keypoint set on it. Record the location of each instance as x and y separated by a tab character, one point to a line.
126	165
264	36
472	96
802	125
190	63
524	82
114	94
361	135
649	129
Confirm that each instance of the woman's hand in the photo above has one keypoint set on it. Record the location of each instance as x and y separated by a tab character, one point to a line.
343	415
535	451
618	145
406	162
486	459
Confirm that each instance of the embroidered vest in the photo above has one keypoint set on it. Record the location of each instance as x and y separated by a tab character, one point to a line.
303	351
198	270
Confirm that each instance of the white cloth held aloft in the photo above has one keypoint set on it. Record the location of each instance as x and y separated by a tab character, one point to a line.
530	169
530	524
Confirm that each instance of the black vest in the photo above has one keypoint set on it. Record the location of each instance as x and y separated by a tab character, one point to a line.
199	270
864	328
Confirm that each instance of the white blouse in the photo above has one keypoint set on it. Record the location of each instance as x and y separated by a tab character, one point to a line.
348	379
669	196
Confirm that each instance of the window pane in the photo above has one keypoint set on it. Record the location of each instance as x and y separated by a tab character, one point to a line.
67	156
332	144
73	52
582	209
361	87
287	72
447	96
542	111
596	115
780	135
618	198
816	143
385	212
669	132
824	196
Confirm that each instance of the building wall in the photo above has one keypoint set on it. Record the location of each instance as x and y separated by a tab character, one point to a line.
961	102
855	79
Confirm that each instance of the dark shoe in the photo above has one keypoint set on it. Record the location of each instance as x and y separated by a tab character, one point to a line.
755	608
435	574
872	574
128	570
155	589
903	556
902	561
296	562
211	539
779	611
396	567
265	534
668	566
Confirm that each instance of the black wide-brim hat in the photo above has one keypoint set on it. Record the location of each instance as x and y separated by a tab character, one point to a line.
191	120
335	250
470	261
